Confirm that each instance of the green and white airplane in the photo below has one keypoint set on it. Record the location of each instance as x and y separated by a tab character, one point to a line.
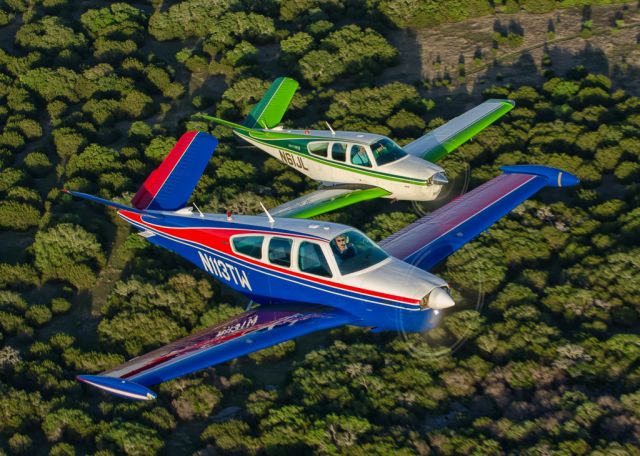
356	166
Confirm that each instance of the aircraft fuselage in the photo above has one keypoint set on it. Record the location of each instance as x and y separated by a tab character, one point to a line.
335	161
387	296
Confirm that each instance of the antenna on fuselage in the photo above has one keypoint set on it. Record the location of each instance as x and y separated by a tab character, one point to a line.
271	220
198	209
332	132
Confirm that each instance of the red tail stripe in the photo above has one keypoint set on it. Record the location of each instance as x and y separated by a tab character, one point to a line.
159	176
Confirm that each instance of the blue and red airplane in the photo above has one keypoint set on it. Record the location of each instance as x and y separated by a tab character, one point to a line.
306	275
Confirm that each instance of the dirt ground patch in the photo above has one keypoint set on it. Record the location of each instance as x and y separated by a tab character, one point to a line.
466	54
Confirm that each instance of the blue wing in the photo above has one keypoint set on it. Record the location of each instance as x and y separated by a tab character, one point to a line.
238	336
434	237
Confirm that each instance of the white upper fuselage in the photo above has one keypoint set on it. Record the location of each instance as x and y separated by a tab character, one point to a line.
349	158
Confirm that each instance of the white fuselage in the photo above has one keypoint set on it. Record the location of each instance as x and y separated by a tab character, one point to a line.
408	178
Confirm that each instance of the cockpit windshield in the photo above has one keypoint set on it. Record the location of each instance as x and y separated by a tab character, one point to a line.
354	251
386	151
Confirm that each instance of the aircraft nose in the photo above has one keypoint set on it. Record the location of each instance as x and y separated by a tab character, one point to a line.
440	299
440	179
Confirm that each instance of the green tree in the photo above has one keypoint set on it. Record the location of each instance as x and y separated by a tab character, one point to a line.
67	421
37	163
117	20
197	401
93	161
136	332
129	438
350	49
232	436
68	252
49	34
67	142
38	315
191	18
18	216
52	83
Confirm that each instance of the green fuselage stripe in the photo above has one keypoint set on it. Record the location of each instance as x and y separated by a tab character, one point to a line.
327	162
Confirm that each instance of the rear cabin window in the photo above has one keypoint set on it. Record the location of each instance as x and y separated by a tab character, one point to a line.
339	152
249	245
280	251
359	156
319	149
312	261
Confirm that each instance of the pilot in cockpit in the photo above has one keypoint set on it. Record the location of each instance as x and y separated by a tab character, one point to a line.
342	248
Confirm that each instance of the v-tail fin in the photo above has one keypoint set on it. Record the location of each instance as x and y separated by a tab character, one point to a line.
269	111
170	185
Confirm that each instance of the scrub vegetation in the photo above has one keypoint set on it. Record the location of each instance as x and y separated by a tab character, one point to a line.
541	356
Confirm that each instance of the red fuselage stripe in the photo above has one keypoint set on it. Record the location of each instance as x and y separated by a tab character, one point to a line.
203	236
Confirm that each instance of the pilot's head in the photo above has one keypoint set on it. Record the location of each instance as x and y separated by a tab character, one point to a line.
341	243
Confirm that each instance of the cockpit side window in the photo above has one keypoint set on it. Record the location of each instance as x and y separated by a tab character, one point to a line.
339	152
248	245
386	151
280	251
354	251
359	156
318	148
312	261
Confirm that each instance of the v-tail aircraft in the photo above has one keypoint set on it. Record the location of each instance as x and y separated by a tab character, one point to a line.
304	275
357	166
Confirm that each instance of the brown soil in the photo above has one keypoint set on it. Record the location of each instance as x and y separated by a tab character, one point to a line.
465	53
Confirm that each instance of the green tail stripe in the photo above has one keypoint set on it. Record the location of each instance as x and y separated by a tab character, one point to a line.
465	135
269	111
226	123
348	199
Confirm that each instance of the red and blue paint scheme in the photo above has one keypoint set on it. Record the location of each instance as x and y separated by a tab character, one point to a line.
394	292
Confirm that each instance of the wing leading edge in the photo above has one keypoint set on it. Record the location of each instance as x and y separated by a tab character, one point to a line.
448	137
434	237
238	336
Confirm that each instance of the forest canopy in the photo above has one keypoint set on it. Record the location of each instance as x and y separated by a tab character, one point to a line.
542	355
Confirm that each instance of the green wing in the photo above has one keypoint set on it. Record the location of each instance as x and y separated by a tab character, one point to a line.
327	199
448	137
269	111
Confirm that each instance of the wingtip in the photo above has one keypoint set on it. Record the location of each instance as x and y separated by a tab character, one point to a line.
555	177
118	386
502	101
